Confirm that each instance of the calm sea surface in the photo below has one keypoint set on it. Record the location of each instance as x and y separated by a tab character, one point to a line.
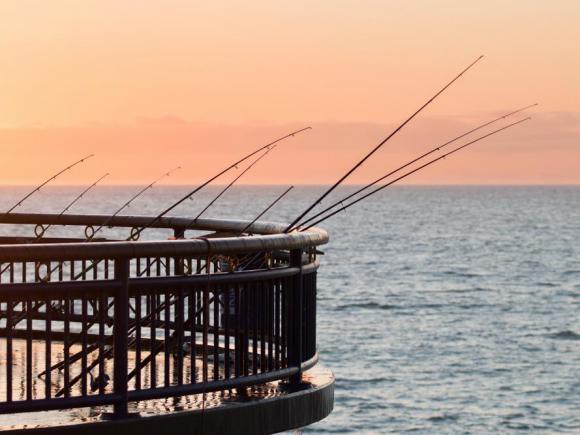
441	309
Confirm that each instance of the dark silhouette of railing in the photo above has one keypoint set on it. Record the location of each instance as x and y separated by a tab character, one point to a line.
110	322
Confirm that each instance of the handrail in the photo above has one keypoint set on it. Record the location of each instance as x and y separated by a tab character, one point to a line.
251	325
173	248
38	289
234	225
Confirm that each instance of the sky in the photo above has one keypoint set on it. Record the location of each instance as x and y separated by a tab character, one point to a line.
150	85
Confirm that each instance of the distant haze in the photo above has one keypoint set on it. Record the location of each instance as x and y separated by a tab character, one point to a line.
151	85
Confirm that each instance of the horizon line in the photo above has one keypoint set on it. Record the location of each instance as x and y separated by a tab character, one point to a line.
56	185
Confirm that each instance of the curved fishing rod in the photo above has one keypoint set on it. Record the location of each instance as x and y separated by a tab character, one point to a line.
245	229
90	236
251	260
42	229
225	189
376	148
128	203
350	204
132	326
135	234
437	148
262	213
44	183
265	210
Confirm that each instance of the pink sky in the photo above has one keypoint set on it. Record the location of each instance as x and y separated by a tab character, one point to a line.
152	85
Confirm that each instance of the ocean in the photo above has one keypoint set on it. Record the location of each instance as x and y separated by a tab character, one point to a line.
445	309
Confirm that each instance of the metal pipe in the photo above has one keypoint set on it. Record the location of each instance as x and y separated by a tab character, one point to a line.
227	169
376	148
437	148
44	183
265	210
225	189
384	186
128	203
70	204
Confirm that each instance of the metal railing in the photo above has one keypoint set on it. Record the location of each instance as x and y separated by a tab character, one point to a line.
110	322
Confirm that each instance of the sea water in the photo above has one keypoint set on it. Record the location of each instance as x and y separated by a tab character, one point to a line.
440	309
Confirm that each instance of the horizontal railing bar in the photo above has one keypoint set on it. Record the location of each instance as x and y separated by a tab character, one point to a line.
221	225
164	248
57	289
13	240
58	403
41	315
58	336
184	281
146	394
208	387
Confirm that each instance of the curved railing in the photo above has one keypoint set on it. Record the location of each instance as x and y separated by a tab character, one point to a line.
108	322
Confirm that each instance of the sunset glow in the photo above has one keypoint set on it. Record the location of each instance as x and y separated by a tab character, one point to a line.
147	86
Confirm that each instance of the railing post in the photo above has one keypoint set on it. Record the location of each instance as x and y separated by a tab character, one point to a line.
120	331
296	299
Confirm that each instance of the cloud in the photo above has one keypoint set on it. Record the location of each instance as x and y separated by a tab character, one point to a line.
545	150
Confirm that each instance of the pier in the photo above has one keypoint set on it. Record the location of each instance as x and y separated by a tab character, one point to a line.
210	326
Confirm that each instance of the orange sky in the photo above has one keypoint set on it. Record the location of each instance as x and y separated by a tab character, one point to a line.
153	84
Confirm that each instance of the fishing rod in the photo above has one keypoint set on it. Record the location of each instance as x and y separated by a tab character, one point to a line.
377	147
251	260
268	146
265	210
44	183
128	203
437	148
412	172
132	326
109	348
40	229
262	213
91	235
137	231
225	189
107	351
